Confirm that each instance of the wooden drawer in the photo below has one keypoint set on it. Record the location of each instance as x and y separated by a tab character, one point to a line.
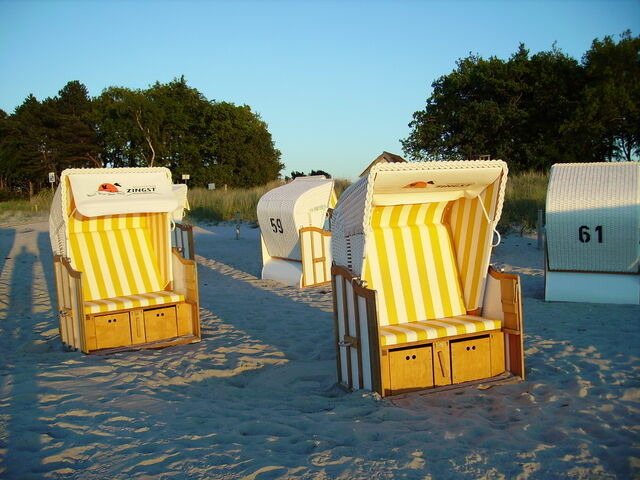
112	330
471	359
160	323
410	369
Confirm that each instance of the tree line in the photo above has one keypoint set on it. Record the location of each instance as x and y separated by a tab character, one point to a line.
535	110
170	125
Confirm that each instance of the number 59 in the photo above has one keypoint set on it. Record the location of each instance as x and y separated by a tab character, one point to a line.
276	225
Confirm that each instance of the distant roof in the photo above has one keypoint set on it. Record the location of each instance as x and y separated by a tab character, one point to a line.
385	157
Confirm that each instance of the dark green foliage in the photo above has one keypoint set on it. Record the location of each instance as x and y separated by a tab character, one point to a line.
535	110
319	172
170	125
295	174
607	120
48	136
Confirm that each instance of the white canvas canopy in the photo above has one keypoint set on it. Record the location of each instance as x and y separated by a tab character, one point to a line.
282	213
593	233
113	191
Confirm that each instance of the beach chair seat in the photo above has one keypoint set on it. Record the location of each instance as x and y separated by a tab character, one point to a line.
128	302
426	330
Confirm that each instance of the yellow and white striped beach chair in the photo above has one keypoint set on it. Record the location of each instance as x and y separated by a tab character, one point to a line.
120	284
415	302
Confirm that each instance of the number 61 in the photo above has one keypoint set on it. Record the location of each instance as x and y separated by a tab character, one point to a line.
584	234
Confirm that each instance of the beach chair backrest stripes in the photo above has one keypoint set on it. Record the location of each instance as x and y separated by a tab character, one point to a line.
116	254
410	261
472	237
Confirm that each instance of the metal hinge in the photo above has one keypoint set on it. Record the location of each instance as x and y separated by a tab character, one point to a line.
348	342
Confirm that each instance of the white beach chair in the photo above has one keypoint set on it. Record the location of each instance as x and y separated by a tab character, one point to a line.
296	247
592	236
120	284
416	304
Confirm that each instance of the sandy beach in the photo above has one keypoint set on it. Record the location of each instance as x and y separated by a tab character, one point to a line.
257	398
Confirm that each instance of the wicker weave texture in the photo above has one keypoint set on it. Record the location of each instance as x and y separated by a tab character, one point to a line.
593	217
282	211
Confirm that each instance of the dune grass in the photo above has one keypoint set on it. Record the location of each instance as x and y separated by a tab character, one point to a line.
525	195
226	205
17	210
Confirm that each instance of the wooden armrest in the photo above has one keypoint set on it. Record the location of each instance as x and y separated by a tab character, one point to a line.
179	256
66	263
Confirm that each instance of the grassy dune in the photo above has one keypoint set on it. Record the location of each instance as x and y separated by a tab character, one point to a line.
525	195
20	211
225	205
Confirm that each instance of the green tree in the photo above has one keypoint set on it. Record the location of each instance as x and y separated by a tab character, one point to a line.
129	127
244	150
170	125
76	136
48	136
506	109
174	125
607	120
27	151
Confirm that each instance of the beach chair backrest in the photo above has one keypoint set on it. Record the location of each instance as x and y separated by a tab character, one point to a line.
119	255
395	208
472	236
410	261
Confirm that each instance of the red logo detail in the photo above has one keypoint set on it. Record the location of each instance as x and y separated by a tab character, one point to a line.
419	184
109	187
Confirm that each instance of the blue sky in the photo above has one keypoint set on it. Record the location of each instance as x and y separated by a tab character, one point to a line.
336	81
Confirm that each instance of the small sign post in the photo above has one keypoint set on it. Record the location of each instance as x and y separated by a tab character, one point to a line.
185	177
52	179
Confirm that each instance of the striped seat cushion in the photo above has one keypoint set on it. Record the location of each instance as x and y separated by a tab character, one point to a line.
434	329
131	301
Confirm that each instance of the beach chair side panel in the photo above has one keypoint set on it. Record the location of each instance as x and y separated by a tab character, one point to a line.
503	300
315	245
355	333
186	283
70	304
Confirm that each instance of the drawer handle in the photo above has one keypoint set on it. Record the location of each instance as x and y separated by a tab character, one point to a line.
441	362
471	348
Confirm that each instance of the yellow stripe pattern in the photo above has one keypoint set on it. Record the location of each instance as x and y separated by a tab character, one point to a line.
159	227
472	237
119	262
411	263
433	329
131	301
